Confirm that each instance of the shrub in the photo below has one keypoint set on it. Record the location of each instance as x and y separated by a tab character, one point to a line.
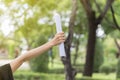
113	66
98	58
107	68
40	63
118	69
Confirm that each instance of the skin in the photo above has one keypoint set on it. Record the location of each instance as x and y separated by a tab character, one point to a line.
16	63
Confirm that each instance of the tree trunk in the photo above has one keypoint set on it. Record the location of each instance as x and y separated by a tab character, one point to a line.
70	72
118	56
88	69
76	52
118	47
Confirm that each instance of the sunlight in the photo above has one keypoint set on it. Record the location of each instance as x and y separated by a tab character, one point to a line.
6	26
2	7
100	31
5	22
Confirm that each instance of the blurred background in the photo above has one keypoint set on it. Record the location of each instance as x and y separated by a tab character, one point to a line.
92	38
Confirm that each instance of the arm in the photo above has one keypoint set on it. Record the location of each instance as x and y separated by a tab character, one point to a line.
15	64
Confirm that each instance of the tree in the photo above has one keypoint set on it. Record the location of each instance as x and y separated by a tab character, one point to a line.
70	72
93	22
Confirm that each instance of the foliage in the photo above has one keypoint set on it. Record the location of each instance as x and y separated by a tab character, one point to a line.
118	69
40	63
115	34
109	49
26	14
108	68
11	49
98	58
105	68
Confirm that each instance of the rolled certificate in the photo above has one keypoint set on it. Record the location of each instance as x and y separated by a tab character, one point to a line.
59	29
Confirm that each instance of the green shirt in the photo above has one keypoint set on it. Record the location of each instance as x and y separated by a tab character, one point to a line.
6	72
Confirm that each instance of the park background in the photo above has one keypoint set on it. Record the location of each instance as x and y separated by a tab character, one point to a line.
92	38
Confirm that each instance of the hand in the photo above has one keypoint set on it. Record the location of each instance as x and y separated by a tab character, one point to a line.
58	38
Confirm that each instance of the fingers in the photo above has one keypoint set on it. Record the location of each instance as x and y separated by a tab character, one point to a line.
60	36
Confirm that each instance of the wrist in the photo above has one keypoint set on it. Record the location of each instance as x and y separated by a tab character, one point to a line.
50	44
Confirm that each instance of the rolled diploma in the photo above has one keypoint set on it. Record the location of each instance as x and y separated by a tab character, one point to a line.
59	29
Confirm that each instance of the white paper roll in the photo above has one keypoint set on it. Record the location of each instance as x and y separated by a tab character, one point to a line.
59	29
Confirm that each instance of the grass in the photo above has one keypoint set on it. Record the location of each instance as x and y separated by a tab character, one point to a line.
98	76
29	75
56	72
110	76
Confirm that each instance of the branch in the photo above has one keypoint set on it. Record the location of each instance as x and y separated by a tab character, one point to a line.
106	19
117	44
72	21
98	6
86	4
101	16
114	19
99	10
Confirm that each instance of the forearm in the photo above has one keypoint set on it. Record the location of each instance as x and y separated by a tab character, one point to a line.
29	55
35	52
15	64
